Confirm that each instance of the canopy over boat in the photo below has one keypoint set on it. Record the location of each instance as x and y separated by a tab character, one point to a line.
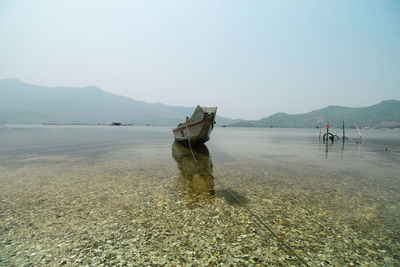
208	109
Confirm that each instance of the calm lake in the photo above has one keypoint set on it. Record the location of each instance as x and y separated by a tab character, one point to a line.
130	196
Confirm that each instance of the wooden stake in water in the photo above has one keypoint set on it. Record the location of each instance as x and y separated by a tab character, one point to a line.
343	129
327	131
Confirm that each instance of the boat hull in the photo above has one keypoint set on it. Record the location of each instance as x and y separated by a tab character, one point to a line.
198	132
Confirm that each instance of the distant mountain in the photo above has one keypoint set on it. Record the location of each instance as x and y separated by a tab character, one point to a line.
384	114
26	103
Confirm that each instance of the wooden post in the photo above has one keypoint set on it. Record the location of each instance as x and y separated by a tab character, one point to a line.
343	130
327	131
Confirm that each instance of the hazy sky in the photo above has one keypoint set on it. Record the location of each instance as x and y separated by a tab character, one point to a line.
249	58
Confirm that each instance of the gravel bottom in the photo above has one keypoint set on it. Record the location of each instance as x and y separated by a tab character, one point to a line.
132	212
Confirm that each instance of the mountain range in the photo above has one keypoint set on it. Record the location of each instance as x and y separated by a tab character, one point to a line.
21	102
386	114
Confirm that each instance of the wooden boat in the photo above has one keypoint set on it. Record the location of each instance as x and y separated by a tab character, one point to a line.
197	128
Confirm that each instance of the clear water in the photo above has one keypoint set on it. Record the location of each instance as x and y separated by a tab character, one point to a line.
128	196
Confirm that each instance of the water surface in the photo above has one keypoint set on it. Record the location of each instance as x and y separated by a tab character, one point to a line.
130	196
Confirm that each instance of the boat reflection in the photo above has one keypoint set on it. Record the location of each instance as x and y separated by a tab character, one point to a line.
196	181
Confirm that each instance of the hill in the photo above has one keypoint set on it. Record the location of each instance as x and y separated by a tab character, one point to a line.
26	103
384	114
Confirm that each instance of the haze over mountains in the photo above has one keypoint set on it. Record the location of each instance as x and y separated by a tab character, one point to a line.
26	103
383	115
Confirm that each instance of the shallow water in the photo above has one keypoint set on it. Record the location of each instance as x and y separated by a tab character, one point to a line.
128	196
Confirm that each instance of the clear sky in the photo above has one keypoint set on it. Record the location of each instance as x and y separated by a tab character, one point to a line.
249	58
